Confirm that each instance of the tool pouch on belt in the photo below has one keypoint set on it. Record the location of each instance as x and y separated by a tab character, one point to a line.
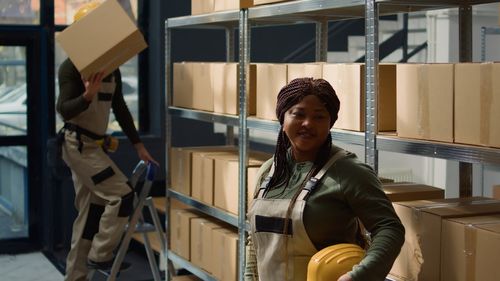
108	143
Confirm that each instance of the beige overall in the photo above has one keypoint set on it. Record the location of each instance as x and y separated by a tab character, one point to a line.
267	219
103	196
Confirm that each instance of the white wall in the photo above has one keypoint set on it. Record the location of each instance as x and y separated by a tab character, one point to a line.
442	30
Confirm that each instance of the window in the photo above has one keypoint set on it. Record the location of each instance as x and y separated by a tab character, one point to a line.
20	12
13	91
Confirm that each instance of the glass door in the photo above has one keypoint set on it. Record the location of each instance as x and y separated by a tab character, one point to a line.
14	215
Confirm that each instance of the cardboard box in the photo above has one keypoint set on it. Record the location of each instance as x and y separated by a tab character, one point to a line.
181	164
202	186
348	80
182	95
201	242
477	103
425	101
227	178
420	256
225	88
203	97
495	191
180	231
262	2
223	5
300	70
199	7
270	79
411	191
94	43
471	249
225	245
207	229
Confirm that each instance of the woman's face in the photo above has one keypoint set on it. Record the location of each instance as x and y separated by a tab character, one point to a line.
307	125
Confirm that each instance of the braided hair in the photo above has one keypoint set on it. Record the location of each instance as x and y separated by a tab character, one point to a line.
290	95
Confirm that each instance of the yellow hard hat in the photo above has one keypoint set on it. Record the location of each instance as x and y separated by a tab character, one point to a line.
333	262
85	9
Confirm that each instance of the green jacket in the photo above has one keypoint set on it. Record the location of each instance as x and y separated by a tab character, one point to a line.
349	190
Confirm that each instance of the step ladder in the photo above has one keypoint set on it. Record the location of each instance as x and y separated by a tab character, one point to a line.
138	225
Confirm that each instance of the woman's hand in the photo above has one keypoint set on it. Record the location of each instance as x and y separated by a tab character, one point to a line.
345	277
143	153
92	85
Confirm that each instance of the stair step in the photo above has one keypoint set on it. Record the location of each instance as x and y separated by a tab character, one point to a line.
153	240
160	204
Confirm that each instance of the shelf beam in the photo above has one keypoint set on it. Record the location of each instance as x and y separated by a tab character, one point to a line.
209	210
190	267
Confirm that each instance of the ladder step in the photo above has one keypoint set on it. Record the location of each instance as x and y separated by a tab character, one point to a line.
153	239
145	227
160	204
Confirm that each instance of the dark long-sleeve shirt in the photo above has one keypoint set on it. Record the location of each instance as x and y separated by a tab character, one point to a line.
70	102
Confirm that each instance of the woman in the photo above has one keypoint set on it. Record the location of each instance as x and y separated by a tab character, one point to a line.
290	224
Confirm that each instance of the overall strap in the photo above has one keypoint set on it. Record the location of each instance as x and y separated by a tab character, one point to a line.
313	181
265	182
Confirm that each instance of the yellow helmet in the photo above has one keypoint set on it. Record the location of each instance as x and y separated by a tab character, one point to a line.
85	9
333	262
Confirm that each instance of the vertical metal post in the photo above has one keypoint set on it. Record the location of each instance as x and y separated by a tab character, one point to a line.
230	57
405	37
322	40
244	65
168	140
465	53
372	59
483	43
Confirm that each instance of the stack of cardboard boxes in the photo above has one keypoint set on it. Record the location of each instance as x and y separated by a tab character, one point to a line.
449	239
209	6
449	102
210	174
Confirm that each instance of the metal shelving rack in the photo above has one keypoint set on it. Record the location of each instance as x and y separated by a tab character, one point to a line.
319	12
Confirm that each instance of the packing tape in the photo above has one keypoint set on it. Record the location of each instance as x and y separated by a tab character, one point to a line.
423	118
485	101
470	237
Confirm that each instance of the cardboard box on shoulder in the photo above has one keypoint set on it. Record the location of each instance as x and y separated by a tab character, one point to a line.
94	43
420	256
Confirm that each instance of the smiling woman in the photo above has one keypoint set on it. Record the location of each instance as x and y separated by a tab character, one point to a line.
313	194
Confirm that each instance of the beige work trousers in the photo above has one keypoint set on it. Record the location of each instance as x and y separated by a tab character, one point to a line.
104	201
